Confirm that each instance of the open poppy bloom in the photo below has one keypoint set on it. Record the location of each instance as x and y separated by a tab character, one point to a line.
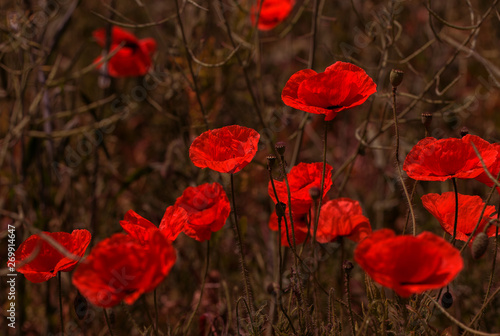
125	266
341	87
342	217
134	57
469	209
407	264
493	169
48	261
299	225
439	160
226	150
301	179
207	208
272	13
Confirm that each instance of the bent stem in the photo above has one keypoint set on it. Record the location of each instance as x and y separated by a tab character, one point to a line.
59	288
400	173
207	261
239	242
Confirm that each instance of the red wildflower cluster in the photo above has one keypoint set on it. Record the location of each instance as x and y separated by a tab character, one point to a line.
469	209
41	261
342	86
439	160
226	150
134	56
408	264
342	217
301	179
272	12
125	266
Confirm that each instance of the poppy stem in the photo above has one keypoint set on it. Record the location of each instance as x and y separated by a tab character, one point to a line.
106	317
156	312
207	262
190	65
239	242
454	180
59	288
398	165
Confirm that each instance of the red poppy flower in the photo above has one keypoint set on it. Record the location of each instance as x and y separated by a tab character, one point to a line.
342	86
301	179
469	209
226	150
439	160
136	226
134	57
342	217
48	261
494	169
173	222
272	13
408	264
299	225
207	208
123	267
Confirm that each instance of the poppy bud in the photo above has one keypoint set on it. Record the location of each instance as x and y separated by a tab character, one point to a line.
348	266
464	131
271	160
447	300
479	245
426	119
81	306
281	147
280	209
315	192
396	77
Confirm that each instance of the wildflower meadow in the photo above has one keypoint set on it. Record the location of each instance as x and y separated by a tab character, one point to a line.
255	167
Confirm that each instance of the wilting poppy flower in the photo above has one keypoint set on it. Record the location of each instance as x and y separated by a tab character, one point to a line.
272	13
439	160
469	209
207	208
123	267
407	264
493	169
134	57
173	222
48	261
226	150
342	217
299	225
301	179
340	87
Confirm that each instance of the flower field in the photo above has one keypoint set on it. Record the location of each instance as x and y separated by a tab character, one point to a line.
256	167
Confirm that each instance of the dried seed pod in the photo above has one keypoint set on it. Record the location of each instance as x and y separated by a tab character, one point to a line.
280	148
271	161
348	266
81	306
464	131
396	77
479	245
314	192
447	300
427	119
280	209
